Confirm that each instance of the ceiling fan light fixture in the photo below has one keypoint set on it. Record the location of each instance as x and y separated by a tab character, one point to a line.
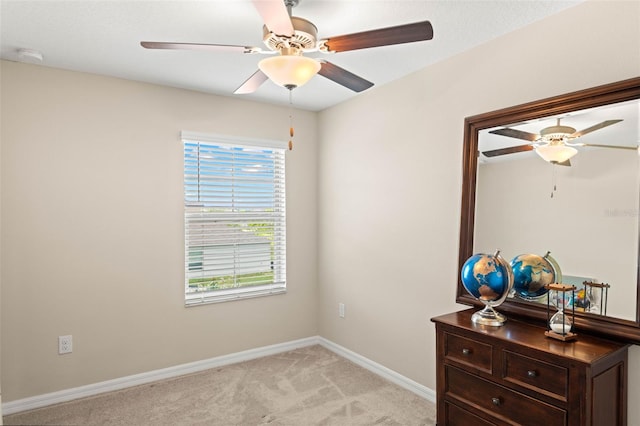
289	71
558	153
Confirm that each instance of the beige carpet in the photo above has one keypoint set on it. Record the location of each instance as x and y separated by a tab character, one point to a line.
307	386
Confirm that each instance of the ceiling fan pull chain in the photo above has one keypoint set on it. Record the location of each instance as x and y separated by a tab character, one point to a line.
553	179
290	121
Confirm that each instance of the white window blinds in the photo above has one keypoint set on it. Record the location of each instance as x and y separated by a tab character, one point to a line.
235	236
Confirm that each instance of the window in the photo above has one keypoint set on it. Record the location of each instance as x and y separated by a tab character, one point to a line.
234	211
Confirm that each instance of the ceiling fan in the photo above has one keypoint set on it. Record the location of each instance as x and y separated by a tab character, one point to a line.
289	37
554	143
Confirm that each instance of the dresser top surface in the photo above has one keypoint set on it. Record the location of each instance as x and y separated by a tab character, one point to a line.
585	348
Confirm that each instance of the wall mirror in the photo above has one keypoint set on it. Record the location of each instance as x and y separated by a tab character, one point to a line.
586	211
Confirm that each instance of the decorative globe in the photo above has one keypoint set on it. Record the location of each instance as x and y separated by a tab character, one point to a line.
485	278
531	273
489	279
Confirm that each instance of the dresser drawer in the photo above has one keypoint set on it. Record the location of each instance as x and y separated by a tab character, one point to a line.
456	416
549	379
468	352
502	403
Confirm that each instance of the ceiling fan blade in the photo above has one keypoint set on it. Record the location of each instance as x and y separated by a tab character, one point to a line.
275	16
519	134
594	128
343	77
508	150
252	83
199	46
595	145
418	31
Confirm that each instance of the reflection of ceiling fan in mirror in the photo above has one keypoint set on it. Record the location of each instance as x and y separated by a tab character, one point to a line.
554	144
290	37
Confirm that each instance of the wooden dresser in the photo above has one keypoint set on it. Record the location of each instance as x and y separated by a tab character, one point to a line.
514	375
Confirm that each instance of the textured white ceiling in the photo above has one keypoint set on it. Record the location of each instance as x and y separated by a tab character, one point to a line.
103	37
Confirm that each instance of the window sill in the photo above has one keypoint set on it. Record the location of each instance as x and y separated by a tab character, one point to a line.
199	299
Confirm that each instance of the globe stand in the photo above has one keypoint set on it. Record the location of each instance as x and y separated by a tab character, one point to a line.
488	278
488	316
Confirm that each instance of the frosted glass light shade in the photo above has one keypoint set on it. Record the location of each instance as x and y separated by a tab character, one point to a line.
556	153
288	70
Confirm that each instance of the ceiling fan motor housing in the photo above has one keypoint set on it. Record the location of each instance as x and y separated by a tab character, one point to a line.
304	36
556	133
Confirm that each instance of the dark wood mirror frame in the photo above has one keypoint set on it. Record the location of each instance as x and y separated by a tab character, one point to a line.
621	91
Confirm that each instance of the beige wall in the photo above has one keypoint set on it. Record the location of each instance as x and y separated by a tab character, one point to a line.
92	224
0	258
389	184
77	149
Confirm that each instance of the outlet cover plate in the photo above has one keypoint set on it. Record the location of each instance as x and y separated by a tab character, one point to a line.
65	344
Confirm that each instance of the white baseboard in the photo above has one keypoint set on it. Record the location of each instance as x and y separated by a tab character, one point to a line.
380	370
44	400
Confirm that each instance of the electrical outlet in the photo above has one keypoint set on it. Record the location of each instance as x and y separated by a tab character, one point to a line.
341	310
65	344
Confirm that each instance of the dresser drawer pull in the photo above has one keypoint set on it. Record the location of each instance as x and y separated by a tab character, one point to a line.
466	351
496	401
532	373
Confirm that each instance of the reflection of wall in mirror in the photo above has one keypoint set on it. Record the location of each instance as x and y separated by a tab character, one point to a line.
590	225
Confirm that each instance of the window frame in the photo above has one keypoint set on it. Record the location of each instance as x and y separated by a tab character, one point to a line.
279	284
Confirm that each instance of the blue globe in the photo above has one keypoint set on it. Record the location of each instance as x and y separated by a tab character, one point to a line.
486	277
530	275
